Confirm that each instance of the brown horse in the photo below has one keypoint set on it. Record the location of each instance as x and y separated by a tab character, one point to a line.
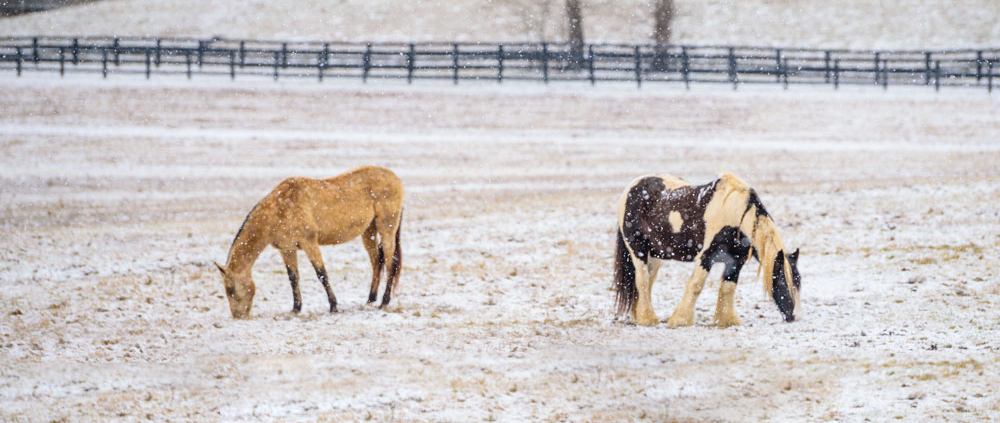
304	213
661	217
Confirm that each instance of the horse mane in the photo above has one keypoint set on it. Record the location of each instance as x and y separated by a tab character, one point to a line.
763	233
242	226
767	241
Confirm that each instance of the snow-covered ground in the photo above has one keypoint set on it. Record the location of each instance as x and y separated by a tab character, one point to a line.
117	195
909	24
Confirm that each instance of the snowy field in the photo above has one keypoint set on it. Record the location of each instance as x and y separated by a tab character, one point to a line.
117	195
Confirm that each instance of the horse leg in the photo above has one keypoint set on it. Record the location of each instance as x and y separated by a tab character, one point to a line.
725	315
290	257
725	312
654	269
684	313
369	238
643	314
388	227
312	252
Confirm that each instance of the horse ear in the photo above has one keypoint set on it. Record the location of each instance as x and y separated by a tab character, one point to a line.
794	256
221	269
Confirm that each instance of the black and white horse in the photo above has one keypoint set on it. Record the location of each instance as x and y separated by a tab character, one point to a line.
661	217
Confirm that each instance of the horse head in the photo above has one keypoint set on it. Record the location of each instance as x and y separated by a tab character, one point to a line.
239	290
786	295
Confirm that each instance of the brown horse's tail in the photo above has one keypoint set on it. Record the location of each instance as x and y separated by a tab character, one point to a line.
392	279
397	256
626	293
381	257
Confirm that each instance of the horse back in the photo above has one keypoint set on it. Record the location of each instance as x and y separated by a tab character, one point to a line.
362	187
663	216
379	183
336	209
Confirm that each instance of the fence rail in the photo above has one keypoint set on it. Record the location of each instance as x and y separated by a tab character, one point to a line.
546	62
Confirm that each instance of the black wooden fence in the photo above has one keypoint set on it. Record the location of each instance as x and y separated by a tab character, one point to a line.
545	62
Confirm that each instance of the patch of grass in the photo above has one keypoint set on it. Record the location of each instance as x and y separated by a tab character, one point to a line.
952	251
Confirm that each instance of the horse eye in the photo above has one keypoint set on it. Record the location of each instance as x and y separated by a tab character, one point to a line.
230	291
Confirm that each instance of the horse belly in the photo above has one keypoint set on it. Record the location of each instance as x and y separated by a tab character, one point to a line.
344	222
676	247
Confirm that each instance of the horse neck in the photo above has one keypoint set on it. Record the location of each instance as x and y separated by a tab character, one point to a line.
247	246
767	241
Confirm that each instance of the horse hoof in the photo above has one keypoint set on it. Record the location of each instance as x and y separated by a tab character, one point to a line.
333	310
723	322
650	320
676	322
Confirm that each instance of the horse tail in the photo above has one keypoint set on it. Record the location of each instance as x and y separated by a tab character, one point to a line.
381	256
397	255
626	292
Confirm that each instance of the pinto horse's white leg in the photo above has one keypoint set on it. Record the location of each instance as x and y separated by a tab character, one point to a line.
654	268
643	314
725	312
684	313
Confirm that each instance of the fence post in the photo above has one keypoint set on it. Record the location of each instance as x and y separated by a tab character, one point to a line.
638	68
201	52
34	49
686	67
885	74
76	51
826	67
232	65
148	60
19	58
937	75
545	62
117	53
104	62
500	64
62	61
187	59
785	73
927	68
732	67
158	51
876	70
284	55
410	58
590	63
366	63
243	54
321	61
277	63
778	64
836	74
979	65
989	76
454	63
326	54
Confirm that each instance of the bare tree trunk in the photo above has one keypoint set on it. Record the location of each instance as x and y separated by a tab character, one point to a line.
663	14
575	30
